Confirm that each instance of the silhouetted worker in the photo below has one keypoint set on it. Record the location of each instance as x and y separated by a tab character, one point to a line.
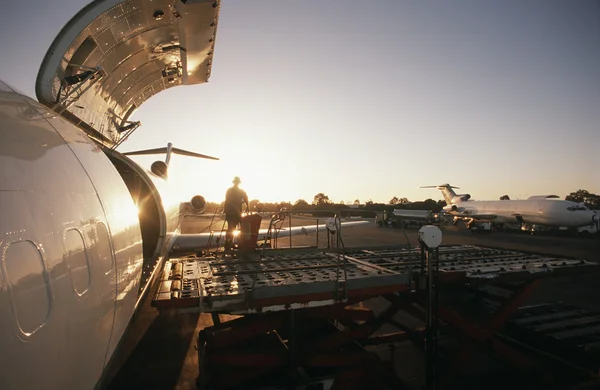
234	200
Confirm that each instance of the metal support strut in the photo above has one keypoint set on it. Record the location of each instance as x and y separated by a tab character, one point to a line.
430	237
75	86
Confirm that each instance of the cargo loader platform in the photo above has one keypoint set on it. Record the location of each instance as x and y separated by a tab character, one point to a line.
304	312
252	283
295	278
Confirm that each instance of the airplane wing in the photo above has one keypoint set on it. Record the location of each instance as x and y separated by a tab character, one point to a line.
191	243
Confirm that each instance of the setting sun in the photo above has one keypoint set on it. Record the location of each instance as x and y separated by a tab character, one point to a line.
211	179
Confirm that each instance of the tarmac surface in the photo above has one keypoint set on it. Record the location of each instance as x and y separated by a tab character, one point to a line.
166	358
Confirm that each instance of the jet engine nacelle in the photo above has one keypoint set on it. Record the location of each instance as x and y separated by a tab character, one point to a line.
160	169
464	196
198	203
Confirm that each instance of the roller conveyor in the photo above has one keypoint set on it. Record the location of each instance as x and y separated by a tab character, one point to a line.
245	285
475	262
284	279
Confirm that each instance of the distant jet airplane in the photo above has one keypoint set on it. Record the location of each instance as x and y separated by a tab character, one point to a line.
537	210
84	230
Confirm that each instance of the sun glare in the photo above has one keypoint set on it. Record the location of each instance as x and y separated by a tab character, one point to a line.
211	179
123	214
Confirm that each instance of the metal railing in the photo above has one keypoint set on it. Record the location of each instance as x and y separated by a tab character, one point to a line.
278	220
276	223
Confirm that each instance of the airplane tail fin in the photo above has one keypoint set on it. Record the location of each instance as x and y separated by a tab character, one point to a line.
160	168
447	191
169	150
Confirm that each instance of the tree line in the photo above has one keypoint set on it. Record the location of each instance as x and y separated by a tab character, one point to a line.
321	205
592	201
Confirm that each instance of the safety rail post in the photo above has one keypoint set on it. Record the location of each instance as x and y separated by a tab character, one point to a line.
212	232
289	216
317	244
430	237
275	218
410	265
341	254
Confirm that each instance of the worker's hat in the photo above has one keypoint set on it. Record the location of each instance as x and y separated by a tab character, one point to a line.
236	180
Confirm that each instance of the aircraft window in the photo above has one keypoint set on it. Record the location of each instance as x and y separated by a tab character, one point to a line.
105	257
78	261
28	283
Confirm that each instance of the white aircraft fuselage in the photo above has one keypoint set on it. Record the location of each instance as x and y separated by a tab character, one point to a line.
537	210
72	250
540	212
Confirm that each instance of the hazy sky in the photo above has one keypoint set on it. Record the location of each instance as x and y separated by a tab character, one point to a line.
370	99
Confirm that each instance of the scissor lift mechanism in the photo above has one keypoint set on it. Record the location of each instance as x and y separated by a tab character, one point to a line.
299	318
